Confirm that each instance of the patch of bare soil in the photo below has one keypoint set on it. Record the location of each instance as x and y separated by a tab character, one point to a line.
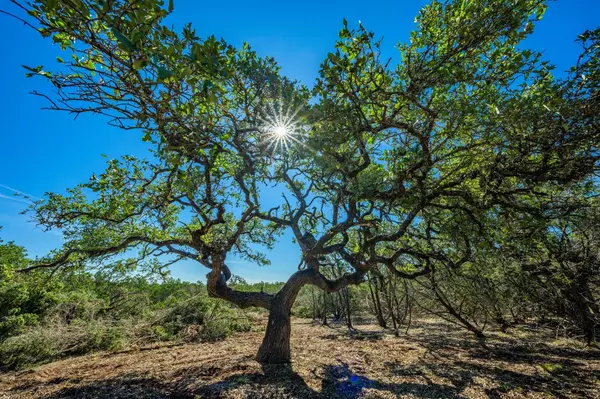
435	360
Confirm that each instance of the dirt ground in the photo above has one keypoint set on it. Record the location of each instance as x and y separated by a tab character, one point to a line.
435	360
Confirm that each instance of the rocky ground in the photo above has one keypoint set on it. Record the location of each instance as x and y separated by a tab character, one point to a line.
436	360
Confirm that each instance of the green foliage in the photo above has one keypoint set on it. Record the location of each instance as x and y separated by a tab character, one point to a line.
215	329
79	312
23	299
208	318
303	311
27	349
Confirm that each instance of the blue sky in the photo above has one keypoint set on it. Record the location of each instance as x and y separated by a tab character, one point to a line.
42	151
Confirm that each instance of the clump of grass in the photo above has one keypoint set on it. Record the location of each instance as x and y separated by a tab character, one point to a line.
552	368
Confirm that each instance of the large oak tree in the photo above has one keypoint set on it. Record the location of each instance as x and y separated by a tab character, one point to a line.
405	166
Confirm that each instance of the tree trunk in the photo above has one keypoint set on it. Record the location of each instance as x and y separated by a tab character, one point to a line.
314	303
446	304
376	302
586	308
324	318
275	347
348	315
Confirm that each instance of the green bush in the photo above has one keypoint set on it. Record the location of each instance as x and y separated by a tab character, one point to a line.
42	344
215	329
46	317
77	305
24	298
28	349
302	311
15	323
161	334
210	319
240	324
98	337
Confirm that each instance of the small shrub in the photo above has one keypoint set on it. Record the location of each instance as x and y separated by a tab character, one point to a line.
104	339
28	349
14	324
240	324
305	312
215	329
76	305
161	334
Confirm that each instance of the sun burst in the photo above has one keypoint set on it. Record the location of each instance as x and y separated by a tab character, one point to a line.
279	126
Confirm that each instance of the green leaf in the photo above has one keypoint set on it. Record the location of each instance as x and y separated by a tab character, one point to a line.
164	73
139	64
35	71
171	6
123	40
137	38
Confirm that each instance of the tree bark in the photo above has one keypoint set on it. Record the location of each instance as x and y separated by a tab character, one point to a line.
275	347
376	302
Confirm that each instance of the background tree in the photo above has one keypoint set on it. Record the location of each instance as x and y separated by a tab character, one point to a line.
22	300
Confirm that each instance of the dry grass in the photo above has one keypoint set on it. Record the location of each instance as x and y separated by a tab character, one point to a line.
435	361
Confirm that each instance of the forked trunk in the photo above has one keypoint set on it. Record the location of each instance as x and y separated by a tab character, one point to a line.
275	347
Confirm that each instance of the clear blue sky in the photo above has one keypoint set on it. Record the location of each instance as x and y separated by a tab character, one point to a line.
43	151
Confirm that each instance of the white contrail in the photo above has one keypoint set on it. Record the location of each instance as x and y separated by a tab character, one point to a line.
15	199
18	191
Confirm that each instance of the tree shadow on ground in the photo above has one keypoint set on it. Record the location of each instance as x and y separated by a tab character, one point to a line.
359	334
558	371
275	381
124	387
356	335
569	382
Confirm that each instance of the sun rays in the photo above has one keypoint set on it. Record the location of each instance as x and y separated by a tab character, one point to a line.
279	126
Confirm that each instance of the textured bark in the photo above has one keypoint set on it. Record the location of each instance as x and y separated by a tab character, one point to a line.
275	347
